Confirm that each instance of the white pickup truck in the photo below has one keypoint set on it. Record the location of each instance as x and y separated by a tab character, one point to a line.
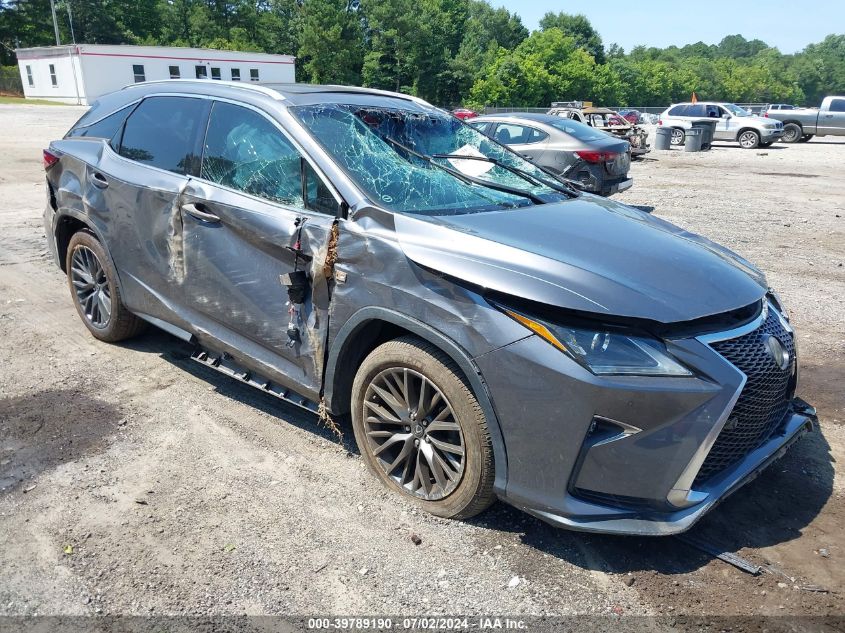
802	124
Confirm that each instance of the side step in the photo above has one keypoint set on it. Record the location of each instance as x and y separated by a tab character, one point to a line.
225	364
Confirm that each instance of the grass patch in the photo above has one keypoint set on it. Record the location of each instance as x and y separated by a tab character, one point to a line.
22	101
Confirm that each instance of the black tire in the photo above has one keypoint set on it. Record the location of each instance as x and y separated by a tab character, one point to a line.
678	136
119	323
805	138
792	133
465	495
748	139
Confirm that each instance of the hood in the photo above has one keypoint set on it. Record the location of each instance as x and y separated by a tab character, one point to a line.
588	254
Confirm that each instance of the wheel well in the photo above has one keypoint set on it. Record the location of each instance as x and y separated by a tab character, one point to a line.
65	229
798	123
748	129
366	337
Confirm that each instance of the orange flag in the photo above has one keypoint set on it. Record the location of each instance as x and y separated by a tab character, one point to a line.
694	98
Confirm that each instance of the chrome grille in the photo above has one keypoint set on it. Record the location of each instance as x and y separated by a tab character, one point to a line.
764	400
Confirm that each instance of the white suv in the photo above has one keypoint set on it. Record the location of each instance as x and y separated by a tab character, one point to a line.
734	123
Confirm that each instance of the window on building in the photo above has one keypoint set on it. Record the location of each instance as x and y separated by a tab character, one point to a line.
53	75
253	74
236	74
138	71
164	132
215	73
174	72
29	76
202	72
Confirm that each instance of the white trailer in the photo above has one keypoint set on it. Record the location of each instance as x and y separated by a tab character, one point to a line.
80	73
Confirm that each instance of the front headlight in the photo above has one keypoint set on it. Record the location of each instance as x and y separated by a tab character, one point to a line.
606	353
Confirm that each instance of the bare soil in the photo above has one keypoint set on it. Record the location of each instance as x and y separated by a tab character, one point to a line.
133	481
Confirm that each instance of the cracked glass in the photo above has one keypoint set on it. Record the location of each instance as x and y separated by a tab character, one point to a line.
392	155
245	151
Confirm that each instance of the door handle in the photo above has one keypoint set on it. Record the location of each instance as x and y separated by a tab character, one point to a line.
198	211
98	180
828	116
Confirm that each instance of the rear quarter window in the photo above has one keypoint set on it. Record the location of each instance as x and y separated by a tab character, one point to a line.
678	110
106	127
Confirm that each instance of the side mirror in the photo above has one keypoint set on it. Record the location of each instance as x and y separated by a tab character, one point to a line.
726	116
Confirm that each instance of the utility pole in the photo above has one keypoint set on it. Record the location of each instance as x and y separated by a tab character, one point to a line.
55	22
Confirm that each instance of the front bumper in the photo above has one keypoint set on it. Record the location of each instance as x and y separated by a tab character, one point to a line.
665	524
769	136
561	469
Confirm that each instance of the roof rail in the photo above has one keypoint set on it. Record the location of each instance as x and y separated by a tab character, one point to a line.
273	94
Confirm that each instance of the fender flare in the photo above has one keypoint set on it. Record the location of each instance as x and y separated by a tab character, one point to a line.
462	359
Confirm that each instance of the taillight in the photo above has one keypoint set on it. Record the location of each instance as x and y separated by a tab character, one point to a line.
659	121
766	114
50	159
596	157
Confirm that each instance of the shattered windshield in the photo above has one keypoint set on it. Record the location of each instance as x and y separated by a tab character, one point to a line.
396	156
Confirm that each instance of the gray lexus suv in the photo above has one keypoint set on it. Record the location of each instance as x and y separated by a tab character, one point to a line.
490	332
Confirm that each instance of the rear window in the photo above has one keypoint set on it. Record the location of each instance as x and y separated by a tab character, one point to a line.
577	130
105	128
837	105
163	132
678	110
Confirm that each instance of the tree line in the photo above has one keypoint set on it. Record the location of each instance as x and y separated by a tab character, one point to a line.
448	52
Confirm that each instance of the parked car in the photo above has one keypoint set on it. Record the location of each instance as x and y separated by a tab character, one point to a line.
735	123
778	106
802	124
607	121
631	116
491	332
597	161
464	113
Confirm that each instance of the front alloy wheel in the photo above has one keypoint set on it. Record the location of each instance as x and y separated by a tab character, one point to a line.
749	139
412	433
421	430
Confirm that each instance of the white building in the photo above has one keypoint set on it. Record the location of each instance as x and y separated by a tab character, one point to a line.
80	73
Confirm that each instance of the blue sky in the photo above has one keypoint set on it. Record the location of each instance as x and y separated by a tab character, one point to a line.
788	24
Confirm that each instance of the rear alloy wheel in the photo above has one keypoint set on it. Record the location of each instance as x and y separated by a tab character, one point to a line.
678	136
421	430
749	139
792	133
93	284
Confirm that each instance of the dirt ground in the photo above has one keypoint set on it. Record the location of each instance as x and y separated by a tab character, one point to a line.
133	481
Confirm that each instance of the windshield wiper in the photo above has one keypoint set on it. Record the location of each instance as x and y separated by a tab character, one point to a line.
514	191
520	172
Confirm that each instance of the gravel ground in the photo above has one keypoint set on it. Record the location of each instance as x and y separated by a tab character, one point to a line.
133	481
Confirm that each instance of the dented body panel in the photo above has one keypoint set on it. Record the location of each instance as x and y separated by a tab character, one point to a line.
290	296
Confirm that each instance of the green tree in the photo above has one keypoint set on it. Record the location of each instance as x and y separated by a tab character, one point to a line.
579	28
331	41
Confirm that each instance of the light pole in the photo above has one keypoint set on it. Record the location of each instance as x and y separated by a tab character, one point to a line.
55	22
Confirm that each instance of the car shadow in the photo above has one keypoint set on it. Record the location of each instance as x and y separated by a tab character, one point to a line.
42	430
178	353
772	509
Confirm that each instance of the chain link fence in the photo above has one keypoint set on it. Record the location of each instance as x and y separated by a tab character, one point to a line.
10	81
